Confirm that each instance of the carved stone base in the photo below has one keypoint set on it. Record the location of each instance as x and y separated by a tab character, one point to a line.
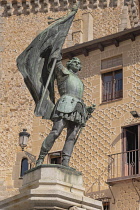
51	187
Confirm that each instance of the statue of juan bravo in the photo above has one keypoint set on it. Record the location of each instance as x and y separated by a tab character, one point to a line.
40	64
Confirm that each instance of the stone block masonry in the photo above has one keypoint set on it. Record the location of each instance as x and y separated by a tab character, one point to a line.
35	6
51	187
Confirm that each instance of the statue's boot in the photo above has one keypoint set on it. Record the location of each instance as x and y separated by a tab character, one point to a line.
65	160
67	151
46	147
40	159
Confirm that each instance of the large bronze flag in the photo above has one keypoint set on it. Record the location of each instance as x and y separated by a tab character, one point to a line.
35	62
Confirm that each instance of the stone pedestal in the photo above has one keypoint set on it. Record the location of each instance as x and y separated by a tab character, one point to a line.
51	187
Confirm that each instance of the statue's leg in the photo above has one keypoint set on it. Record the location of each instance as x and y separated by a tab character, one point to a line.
72	130
50	139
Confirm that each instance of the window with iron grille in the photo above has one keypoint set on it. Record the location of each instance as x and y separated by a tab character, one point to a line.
112	85
112	78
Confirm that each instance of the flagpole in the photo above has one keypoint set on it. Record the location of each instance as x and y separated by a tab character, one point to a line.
47	84
50	75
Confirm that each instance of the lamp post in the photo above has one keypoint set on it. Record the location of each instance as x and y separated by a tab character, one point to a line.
23	138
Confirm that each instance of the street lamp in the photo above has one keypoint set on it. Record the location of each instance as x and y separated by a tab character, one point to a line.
23	138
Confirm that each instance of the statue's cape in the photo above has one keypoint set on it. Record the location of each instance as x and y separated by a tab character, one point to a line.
35	61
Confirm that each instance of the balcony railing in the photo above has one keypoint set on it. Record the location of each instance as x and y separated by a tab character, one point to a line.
124	164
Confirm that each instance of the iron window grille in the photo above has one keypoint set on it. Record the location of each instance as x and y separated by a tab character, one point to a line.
112	85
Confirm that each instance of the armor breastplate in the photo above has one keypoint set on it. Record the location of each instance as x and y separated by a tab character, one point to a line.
70	84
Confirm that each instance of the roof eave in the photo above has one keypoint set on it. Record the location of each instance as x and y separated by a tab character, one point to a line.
101	43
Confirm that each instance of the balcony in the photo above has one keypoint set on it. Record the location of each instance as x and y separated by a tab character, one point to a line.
124	166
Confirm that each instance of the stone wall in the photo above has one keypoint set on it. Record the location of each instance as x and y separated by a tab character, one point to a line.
112	13
126	196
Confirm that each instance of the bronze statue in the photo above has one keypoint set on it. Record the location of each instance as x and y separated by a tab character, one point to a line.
69	111
40	64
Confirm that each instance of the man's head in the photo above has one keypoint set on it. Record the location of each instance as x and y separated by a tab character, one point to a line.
74	64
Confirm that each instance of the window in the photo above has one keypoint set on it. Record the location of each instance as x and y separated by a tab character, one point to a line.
55	157
112	79
105	202
131	151
112	85
24	166
106	205
127	162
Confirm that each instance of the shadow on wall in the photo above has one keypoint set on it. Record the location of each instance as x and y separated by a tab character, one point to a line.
116	140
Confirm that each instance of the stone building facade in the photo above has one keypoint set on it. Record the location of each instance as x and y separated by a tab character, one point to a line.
112	27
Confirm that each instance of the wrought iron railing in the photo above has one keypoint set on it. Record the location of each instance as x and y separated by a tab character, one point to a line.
124	164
